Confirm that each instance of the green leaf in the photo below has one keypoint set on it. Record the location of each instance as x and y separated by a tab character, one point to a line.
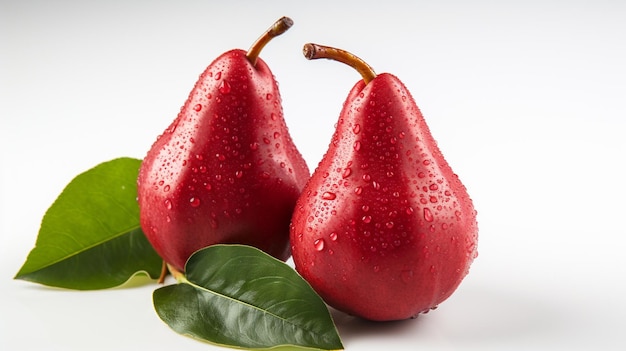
90	238
239	296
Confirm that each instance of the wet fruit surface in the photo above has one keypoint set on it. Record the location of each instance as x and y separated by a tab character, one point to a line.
384	229
226	169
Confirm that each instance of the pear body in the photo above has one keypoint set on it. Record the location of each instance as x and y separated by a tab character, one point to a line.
226	170
384	229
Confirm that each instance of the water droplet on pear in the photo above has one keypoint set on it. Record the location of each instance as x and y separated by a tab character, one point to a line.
329	195
319	244
428	215
224	87
194	202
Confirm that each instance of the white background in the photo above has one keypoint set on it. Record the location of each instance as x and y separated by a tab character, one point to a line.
526	99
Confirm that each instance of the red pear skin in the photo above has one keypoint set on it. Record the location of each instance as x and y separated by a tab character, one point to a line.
226	170
384	229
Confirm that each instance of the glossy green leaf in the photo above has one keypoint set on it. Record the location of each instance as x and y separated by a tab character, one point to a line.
238	296
90	238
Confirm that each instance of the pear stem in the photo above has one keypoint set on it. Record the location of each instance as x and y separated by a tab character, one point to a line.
315	51
279	27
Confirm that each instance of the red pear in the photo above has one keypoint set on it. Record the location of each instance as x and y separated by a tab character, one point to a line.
226	170
384	229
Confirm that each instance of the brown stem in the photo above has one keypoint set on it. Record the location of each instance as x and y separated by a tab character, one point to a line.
315	51
163	273
279	27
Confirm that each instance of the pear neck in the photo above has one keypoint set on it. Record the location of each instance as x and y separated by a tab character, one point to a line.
315	51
